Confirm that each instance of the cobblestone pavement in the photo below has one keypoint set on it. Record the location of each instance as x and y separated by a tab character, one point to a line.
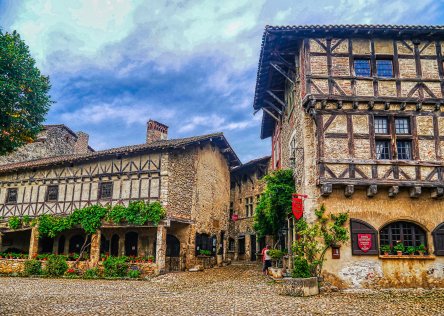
234	290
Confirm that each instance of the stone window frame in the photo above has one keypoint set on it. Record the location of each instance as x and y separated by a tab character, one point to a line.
249	206
9	195
100	191
394	138
49	196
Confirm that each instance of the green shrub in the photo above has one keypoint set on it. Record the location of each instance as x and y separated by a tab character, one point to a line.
14	222
300	268
92	273
115	267
56	265
386	248
134	273
33	267
399	247
276	254
410	250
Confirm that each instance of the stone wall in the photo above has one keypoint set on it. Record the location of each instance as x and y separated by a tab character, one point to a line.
53	140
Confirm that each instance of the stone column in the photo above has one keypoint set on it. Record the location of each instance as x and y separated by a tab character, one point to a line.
225	243
94	256
161	248
121	244
34	242
247	247
236	249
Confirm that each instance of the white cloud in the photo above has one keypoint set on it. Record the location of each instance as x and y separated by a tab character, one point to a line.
215	123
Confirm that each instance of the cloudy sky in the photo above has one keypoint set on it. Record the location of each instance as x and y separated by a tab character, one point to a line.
189	64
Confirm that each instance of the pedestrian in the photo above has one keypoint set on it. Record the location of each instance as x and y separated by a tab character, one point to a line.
266	259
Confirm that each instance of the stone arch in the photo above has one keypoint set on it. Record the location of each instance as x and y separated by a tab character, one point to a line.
438	239
409	233
173	246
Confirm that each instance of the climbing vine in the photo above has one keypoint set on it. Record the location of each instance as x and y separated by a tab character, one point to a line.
275	203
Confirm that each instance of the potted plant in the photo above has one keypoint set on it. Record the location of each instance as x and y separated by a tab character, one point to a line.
103	257
386	249
150	259
421	249
399	248
410	250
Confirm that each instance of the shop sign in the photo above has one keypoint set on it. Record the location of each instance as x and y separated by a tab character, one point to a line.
365	242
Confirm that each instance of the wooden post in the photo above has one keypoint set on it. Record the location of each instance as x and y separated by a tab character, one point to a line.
161	248
95	247
34	242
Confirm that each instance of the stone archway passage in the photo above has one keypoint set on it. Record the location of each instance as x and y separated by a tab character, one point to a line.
131	239
115	245
61	245
46	244
173	246
75	243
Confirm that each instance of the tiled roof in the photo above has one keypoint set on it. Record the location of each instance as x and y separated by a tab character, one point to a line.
251	163
310	31
179	143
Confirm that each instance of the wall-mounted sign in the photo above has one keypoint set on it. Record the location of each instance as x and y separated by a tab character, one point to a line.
297	205
234	217
365	242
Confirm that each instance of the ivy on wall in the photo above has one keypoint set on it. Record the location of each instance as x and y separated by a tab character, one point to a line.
90	218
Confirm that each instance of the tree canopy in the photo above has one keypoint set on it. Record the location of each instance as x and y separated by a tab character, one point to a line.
275	203
24	98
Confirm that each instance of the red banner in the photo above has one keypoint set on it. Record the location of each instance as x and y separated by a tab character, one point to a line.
234	217
297	205
365	242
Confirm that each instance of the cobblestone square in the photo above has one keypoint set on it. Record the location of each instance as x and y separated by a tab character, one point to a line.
233	290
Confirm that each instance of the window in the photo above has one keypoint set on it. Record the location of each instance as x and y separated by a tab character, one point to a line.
11	196
105	190
205	242
408	233
249	206
52	193
393	129
293	152
384	68
383	149
231	244
231	210
438	240
362	67
358	230
241	245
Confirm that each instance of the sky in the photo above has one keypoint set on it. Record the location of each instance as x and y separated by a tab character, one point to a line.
191	65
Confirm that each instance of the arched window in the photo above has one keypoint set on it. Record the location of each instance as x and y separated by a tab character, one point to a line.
231	244
408	233
438	240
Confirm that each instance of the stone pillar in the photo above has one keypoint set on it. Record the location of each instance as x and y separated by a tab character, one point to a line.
225	243
236	249
94	256
34	242
121	244
161	248
247	247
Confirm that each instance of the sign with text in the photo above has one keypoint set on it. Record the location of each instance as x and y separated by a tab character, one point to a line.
365	242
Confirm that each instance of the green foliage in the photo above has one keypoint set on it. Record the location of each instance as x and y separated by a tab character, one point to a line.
205	252
14	222
410	250
275	203
134	273
91	273
301	268
89	218
51	226
276	254
386	248
421	248
315	239
399	247
26	220
24	98
33	267
56	265
137	213
115	267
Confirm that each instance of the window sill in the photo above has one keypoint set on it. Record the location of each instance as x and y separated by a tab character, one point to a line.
407	257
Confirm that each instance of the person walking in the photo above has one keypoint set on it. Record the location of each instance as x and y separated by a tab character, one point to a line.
266	259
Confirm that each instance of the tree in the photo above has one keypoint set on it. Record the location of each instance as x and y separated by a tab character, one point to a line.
275	203
24	98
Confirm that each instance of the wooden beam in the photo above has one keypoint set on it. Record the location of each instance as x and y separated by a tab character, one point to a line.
271	114
437	193
372	190
326	189
415	192
276	98
274	107
349	190
393	191
282	72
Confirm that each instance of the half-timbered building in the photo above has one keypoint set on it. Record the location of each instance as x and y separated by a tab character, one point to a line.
189	176
356	111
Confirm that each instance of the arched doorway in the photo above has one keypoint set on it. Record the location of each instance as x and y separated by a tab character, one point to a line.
61	245
115	245
104	244
173	246
131	239
76	243
46	244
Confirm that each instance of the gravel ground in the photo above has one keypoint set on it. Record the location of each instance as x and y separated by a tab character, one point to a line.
234	290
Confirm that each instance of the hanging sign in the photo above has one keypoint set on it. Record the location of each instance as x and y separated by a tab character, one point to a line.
297	205
365	242
234	217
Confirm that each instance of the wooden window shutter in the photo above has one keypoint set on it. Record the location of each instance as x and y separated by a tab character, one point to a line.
438	240
360	227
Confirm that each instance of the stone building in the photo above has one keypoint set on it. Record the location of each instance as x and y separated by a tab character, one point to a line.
356	111
189	176
53	140
246	189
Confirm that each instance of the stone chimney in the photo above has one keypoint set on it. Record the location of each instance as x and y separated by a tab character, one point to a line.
81	145
156	131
